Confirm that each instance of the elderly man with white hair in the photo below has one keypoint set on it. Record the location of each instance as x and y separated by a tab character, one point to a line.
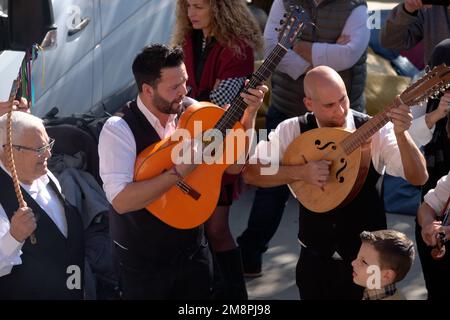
52	268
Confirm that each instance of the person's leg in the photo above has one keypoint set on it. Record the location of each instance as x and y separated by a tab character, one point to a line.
194	276
145	283
229	281
265	215
218	230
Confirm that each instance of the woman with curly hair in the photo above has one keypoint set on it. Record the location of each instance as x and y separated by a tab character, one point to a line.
219	38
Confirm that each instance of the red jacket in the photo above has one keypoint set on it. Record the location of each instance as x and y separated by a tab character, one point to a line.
221	63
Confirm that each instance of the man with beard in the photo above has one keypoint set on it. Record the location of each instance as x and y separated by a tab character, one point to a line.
156	261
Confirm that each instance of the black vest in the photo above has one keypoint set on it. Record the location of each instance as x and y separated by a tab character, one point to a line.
330	17
339	229
148	239
43	272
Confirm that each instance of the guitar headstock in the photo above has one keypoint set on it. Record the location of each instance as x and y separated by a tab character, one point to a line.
434	82
291	28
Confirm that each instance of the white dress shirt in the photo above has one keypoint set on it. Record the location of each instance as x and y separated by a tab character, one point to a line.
419	130
385	152
336	56
117	150
43	194
437	198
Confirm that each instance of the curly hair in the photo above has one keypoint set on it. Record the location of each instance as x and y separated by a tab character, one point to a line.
232	23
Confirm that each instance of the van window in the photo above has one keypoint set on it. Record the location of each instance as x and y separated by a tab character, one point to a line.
3	7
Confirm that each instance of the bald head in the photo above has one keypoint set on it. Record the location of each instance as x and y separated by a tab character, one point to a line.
326	96
320	80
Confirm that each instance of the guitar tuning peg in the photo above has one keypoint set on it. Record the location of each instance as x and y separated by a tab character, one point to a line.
281	22
277	29
285	15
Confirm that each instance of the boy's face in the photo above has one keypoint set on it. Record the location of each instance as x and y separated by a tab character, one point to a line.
367	264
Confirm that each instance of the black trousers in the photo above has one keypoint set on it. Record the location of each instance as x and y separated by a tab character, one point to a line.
435	272
188	276
323	278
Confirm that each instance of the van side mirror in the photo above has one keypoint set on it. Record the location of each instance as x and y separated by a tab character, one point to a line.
29	22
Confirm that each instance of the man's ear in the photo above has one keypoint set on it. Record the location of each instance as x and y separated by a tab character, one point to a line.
308	103
147	90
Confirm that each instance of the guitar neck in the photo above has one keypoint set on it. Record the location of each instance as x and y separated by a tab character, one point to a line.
432	84
238	106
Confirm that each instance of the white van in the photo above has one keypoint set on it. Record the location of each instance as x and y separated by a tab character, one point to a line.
97	41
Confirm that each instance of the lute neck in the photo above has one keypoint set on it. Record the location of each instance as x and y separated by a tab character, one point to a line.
367	130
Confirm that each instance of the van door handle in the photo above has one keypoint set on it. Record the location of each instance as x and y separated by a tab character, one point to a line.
83	24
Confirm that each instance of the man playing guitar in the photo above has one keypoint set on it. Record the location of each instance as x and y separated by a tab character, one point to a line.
330	240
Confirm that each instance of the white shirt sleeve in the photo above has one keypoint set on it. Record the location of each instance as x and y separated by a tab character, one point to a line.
342	57
291	64
272	151
437	198
117	156
420	132
385	152
10	248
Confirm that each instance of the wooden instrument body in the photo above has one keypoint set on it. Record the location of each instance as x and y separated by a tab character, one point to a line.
347	171
176	207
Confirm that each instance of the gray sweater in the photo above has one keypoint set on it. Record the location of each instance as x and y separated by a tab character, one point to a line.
403	31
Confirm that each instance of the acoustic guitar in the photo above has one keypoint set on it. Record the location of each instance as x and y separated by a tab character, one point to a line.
349	152
192	200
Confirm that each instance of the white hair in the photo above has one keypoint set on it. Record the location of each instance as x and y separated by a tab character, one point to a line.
21	122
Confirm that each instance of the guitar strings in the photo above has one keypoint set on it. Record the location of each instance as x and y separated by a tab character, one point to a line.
238	105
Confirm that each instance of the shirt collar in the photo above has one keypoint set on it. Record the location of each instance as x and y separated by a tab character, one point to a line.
349	121
380	294
36	186
151	117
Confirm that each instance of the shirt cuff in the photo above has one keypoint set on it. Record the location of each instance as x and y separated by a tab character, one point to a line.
420	132
10	245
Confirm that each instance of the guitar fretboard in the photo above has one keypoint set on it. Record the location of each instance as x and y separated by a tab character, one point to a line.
367	130
238	106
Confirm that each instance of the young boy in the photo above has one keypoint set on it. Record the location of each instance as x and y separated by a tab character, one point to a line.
384	258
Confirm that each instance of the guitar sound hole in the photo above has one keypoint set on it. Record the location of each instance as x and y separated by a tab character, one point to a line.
339	176
328	144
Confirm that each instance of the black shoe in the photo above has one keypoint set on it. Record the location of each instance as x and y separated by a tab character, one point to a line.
252	265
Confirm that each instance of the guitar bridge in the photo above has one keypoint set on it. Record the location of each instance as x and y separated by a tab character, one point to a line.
187	189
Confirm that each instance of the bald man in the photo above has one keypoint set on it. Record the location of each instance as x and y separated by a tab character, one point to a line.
330	241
